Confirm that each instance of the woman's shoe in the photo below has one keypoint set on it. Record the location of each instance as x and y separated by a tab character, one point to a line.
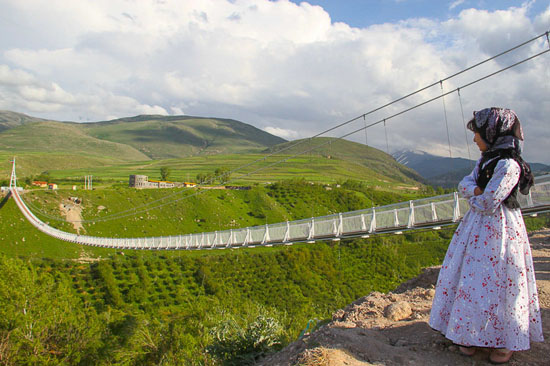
501	355
467	350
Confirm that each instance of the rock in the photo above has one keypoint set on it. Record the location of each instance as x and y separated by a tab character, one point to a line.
401	343
344	324
398	311
429	293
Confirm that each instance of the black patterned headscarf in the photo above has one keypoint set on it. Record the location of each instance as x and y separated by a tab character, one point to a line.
501	130
499	127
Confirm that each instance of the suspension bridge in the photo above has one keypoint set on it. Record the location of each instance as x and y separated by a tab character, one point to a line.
422	214
426	213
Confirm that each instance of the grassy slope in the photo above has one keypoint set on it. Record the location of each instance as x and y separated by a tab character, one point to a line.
208	211
41	146
136	138
311	168
10	119
162	139
374	159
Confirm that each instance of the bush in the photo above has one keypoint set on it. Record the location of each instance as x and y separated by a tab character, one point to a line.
235	345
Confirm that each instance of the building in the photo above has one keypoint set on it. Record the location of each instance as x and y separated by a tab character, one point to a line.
139	181
161	184
39	183
142	181
52	186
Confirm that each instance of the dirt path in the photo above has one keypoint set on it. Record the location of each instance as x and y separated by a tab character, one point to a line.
72	213
392	329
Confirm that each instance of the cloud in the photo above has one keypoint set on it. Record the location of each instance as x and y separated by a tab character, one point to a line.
281	132
456	3
280	66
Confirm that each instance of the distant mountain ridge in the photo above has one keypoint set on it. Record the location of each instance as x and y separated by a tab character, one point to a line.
144	137
9	119
446	172
361	154
52	145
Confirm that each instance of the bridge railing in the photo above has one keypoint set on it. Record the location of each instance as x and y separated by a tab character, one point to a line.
421	213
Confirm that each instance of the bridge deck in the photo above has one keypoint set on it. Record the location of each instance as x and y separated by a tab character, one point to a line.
432	212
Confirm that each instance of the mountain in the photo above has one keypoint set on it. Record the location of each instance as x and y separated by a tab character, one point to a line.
141	143
446	172
376	160
164	137
41	144
10	119
144	137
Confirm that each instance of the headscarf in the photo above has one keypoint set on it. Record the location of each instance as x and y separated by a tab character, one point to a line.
499	127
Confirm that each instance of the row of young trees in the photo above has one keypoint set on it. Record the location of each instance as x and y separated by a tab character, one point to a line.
229	309
221	175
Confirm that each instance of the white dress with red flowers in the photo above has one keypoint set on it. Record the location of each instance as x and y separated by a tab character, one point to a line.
486	293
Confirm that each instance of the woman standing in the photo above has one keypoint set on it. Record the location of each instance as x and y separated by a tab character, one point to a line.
486	295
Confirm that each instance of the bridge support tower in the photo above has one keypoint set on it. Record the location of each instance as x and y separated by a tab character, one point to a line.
13	178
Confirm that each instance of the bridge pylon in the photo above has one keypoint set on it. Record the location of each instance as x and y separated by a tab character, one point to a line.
13	178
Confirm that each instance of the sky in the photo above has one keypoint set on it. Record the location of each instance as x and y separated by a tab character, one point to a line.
291	68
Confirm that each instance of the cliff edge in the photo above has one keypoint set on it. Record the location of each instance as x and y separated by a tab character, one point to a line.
392	329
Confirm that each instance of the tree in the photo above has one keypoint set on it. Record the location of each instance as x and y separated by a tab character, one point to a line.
44	176
201	178
42	321
222	174
165	172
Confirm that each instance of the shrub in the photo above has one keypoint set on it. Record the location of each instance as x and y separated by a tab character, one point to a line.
236	345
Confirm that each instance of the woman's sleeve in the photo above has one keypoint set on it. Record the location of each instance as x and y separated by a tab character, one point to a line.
468	184
505	177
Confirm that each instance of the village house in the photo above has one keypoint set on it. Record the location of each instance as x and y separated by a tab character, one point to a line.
142	181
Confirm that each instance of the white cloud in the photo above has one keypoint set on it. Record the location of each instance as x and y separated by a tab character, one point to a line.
281	132
279	66
456	3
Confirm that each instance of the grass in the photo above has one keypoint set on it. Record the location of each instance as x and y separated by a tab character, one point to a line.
318	169
188	213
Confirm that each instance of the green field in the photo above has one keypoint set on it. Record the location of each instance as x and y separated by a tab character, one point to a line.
190	210
66	304
311	168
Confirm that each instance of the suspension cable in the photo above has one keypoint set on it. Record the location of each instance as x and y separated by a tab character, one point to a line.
290	146
464	123
446	121
132	211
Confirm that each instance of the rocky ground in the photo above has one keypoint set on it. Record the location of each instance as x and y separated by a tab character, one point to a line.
392	328
73	214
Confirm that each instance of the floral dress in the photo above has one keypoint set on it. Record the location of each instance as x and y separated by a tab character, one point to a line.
486	293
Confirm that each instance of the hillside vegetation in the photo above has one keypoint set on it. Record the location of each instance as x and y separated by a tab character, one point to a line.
131	139
376	160
191	211
99	306
189	146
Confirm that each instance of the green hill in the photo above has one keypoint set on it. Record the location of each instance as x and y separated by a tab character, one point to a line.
134	138
380	163
190	212
42	145
164	137
10	119
113	150
248	169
